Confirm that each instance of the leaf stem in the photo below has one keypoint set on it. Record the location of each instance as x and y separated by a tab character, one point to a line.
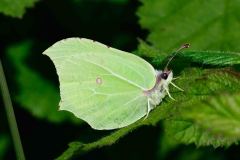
10	115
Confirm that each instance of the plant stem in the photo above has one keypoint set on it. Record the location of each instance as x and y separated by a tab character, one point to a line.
10	116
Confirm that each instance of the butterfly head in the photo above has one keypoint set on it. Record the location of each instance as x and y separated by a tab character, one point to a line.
166	76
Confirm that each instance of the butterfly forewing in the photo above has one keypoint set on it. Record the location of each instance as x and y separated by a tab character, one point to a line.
101	85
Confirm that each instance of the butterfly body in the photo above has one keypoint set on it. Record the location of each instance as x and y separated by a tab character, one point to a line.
160	90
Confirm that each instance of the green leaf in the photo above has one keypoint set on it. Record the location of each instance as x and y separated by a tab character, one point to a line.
15	8
35	94
201	118
199	86
207	25
214	121
213	57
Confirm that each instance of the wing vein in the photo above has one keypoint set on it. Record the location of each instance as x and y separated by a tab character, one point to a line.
111	72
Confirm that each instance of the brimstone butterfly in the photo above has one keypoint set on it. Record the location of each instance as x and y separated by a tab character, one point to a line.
106	87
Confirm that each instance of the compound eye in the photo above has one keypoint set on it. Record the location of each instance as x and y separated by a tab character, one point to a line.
164	75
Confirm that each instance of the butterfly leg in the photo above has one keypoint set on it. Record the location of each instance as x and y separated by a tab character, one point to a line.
169	94
148	109
175	78
176	86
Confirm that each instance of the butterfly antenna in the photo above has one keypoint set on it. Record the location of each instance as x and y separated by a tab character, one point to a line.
187	45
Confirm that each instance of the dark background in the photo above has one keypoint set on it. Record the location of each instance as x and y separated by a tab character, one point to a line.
111	22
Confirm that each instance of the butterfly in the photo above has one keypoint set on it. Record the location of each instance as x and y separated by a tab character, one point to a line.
106	87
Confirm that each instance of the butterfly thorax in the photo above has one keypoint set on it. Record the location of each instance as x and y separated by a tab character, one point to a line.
159	91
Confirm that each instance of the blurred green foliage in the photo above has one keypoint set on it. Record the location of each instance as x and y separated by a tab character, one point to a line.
15	8
4	144
205	114
36	94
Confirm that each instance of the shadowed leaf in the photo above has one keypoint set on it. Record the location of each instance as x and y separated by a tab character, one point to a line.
214	121
207	25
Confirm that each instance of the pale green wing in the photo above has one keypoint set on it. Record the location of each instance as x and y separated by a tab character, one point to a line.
99	84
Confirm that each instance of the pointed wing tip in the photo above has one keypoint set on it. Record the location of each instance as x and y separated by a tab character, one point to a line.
45	52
